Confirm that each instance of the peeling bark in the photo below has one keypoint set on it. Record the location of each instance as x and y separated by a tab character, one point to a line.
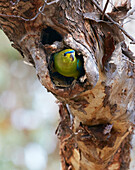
97	110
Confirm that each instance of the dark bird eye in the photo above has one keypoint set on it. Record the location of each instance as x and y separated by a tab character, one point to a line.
72	57
64	54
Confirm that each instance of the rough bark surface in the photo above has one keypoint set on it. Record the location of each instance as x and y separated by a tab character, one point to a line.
96	111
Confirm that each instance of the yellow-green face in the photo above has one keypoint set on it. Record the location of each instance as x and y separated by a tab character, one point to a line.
69	57
65	62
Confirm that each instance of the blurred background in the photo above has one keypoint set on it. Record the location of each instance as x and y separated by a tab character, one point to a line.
27	123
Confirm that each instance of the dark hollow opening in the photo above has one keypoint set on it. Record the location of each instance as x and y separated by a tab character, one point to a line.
49	36
63	81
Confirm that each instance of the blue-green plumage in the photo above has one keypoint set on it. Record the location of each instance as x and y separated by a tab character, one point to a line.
66	63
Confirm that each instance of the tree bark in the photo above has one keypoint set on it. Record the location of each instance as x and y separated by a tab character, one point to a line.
97	110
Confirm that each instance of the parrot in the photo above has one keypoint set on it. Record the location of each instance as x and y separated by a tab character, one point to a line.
66	63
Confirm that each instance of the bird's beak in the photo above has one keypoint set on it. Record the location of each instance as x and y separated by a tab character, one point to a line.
72	56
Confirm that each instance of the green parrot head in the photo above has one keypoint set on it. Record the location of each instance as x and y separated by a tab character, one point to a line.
69	57
66	63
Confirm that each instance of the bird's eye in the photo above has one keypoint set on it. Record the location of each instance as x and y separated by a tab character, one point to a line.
64	54
72	57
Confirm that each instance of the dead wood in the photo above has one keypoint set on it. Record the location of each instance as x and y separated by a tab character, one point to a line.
97	110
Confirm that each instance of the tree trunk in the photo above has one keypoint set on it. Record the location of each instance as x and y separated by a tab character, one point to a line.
97	110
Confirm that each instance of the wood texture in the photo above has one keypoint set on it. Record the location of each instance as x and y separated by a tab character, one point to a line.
97	110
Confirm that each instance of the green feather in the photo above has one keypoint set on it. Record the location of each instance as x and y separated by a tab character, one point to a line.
66	63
